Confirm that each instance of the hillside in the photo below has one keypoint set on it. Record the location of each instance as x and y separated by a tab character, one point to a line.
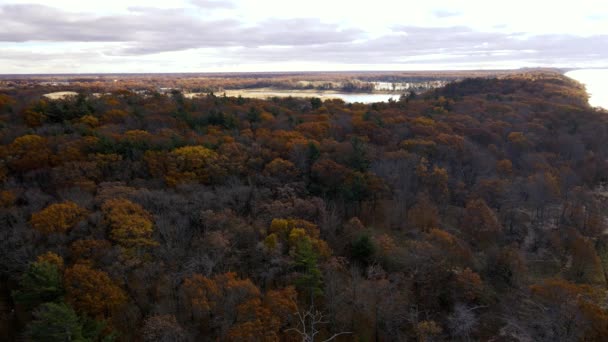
475	211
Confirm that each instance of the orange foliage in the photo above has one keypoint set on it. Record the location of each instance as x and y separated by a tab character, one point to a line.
264	320
7	198
238	300
220	296
468	285
92	292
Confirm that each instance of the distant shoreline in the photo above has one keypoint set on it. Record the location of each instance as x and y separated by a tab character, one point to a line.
596	84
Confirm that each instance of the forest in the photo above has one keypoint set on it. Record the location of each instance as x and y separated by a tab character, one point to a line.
472	212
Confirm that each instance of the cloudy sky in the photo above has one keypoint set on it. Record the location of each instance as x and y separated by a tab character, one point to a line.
76	36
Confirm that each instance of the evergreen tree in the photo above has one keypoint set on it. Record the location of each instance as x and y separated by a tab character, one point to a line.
41	283
307	261
55	322
362	249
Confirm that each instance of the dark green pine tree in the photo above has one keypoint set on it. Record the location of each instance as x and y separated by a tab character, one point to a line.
362	249
55	322
41	283
59	322
307	262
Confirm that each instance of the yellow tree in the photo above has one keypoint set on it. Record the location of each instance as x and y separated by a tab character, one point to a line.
51	258
58	217
29	152
190	164
130	225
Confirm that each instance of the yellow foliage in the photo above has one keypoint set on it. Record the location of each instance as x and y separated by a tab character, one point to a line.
89	120
192	157
294	231
281	168
105	160
421	120
296	236
137	135
5	100
518	139
26	142
130	225
265	116
271	241
189	163
419	145
279	226
58	217
51	258
90	141
114	116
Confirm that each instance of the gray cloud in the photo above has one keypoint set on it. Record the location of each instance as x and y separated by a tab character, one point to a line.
446	45
149	30
146	31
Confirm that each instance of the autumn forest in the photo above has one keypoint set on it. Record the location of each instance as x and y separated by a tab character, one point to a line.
476	211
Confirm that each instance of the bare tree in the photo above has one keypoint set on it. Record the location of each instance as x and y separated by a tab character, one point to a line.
463	320
309	322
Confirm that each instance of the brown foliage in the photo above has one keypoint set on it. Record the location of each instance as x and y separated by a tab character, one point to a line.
424	215
480	224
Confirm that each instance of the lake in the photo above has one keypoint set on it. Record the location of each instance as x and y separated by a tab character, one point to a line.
366	98
596	82
264	93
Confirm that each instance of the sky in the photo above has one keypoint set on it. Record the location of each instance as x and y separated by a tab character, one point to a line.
141	36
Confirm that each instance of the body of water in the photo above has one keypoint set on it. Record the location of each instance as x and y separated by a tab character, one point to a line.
596	82
265	93
366	98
